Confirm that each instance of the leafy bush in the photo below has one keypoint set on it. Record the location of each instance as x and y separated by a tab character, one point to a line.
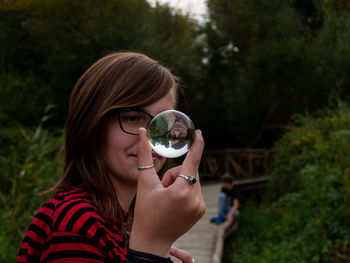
306	215
29	165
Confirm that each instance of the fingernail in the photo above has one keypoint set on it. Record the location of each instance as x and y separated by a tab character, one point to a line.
199	131
141	130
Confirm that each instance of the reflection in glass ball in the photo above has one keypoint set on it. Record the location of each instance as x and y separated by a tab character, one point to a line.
171	133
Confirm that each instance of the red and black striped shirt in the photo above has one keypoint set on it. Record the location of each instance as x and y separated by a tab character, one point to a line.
68	228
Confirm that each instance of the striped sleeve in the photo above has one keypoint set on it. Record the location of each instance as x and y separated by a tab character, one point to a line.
37	233
71	247
71	230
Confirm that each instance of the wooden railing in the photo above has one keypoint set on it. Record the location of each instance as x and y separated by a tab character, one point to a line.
240	163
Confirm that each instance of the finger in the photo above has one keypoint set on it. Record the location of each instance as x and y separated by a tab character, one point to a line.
170	176
147	177
193	158
183	255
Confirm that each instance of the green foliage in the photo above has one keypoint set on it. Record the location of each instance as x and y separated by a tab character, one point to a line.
29	165
308	220
17	101
268	59
47	45
255	62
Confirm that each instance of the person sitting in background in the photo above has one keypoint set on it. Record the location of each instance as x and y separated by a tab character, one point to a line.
228	201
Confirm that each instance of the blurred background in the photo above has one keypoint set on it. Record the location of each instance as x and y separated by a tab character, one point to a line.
255	74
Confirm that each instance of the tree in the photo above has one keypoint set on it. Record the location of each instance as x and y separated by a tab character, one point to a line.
269	60
49	44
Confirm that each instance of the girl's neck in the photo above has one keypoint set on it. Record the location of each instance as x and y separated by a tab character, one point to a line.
126	193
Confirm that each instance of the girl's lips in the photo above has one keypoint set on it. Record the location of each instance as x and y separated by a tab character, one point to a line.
155	156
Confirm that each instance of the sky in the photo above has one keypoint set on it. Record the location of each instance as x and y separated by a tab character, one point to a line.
196	8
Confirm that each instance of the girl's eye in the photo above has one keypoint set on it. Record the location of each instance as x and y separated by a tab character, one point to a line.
135	118
132	118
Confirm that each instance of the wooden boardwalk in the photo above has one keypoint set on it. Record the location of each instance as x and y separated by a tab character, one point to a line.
199	241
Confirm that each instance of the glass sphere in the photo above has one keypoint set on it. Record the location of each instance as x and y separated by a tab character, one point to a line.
171	133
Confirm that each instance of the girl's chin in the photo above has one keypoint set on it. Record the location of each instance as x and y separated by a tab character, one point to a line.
159	164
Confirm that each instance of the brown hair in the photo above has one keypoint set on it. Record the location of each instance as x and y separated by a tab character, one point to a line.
122	79
226	178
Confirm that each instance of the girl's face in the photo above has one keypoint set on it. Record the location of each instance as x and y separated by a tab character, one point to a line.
120	149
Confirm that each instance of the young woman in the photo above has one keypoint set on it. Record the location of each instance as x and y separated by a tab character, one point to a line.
94	215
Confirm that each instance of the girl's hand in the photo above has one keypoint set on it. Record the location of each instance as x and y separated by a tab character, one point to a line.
182	255
165	211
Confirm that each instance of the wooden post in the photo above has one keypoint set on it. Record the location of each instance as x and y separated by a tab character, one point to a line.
227	163
265	162
250	164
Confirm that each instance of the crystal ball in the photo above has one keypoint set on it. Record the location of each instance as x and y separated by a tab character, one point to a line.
171	133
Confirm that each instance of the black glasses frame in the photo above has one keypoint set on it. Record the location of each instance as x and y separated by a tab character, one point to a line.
120	110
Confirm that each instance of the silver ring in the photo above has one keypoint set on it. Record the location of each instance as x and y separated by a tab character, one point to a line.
189	179
140	168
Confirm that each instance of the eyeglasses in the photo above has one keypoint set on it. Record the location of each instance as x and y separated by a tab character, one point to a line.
131	119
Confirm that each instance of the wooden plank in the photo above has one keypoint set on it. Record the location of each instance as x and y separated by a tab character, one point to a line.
199	240
237	150
250	180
